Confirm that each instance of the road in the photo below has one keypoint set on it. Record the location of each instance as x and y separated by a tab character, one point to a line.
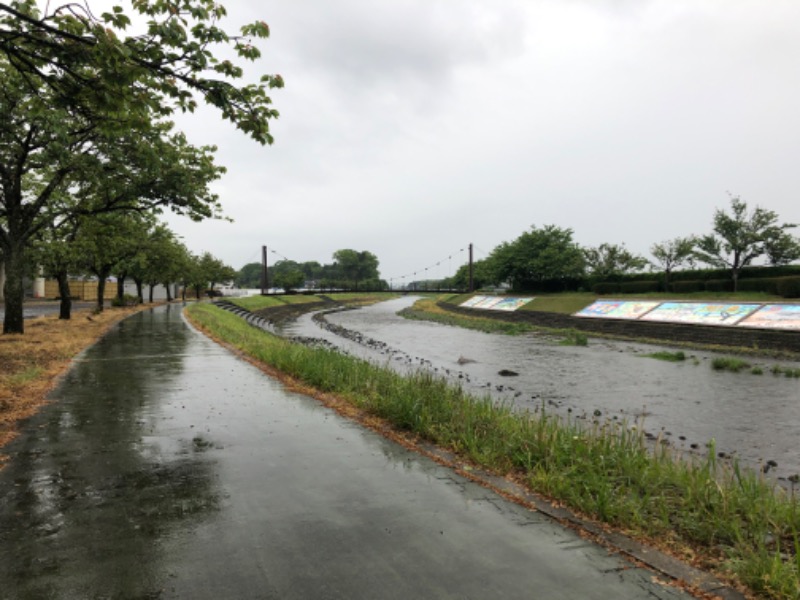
166	467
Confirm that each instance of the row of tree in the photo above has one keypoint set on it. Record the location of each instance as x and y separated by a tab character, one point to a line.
84	129
127	246
548	256
350	269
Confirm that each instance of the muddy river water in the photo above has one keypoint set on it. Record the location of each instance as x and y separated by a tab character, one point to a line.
753	417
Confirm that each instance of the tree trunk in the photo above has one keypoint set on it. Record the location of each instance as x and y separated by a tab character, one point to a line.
139	294
65	309
150	286
101	289
13	290
167	286
121	288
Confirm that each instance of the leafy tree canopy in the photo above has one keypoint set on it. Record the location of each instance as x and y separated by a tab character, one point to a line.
541	254
741	236
249	276
356	266
82	108
673	253
612	260
90	62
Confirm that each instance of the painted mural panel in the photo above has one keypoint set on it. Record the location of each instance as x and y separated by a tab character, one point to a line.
775	316
717	313
511	304
488	302
471	302
495	302
616	309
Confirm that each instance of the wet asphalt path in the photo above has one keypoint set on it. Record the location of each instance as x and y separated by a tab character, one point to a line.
168	468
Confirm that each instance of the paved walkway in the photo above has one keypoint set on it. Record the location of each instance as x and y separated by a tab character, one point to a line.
168	468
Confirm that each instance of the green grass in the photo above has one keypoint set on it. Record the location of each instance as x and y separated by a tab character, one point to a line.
607	470
426	310
25	376
567	303
574	338
786	371
665	355
727	363
253	303
360	297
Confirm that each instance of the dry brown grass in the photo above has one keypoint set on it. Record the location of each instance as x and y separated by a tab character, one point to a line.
31	363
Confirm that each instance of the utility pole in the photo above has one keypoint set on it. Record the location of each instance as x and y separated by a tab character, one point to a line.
471	282
264	282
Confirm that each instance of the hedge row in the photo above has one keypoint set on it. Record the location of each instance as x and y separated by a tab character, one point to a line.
787	287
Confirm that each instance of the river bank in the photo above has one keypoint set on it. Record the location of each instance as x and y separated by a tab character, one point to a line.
605	469
782	342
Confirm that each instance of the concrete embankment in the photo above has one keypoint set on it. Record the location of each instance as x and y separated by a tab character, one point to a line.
762	339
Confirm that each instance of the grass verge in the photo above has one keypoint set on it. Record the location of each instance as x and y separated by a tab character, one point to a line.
713	513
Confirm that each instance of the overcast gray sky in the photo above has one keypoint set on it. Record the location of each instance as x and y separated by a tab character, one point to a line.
413	128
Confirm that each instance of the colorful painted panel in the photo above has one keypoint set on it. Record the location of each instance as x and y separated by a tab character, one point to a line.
511	304
616	309
470	303
700	313
495	302
488	302
775	316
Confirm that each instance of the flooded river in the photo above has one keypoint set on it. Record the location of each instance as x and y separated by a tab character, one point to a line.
753	417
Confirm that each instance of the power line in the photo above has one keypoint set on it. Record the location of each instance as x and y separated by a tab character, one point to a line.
424	270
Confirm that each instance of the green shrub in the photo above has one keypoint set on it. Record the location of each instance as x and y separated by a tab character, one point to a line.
126	300
719	285
639	287
788	287
605	287
687	287
678	356
768	285
725	363
575	338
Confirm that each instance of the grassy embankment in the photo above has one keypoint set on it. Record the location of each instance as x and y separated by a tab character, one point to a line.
718	516
571	302
426	309
253	303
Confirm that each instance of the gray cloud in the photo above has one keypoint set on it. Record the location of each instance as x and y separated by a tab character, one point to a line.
410	129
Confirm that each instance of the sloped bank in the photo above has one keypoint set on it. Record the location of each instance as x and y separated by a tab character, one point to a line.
711	335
